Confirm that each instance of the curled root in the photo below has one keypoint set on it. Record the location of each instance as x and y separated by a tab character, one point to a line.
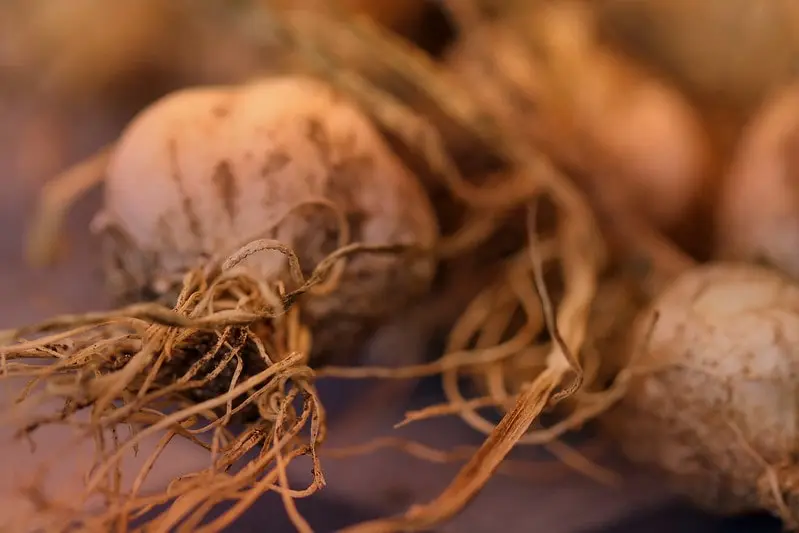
231	351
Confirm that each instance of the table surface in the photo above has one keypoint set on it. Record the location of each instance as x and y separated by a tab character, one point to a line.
376	484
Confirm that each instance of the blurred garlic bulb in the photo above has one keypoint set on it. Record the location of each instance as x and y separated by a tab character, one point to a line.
633	137
758	216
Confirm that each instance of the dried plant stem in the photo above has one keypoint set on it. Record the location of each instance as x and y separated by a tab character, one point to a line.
56	199
477	471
